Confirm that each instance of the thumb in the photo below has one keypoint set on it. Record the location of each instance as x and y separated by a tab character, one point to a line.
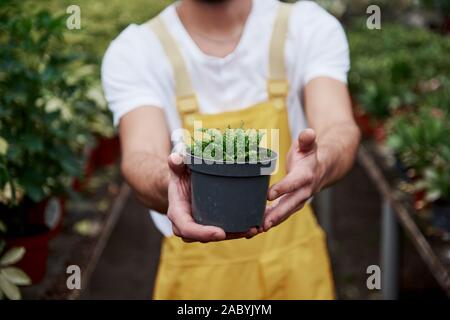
176	164
307	140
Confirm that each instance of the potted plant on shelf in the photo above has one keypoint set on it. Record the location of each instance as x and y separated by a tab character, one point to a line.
230	176
421	143
436	184
386	79
45	121
416	138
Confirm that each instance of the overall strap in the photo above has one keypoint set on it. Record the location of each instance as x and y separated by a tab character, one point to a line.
278	86
186	98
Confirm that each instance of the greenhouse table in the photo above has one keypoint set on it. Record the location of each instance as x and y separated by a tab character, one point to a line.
398	211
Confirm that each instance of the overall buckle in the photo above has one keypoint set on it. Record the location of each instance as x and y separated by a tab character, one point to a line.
278	91
277	88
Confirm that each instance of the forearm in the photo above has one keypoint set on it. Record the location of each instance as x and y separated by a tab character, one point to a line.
336	151
148	175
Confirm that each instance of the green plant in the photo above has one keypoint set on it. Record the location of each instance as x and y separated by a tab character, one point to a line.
228	145
11	277
435	180
46	109
436	183
397	67
422	142
419	139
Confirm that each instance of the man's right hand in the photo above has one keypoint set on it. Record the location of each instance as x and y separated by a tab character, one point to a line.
179	211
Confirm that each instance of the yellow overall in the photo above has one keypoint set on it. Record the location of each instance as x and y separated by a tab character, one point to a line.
289	261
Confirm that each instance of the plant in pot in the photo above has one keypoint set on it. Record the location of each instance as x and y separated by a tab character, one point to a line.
415	138
230	176
436	184
45	118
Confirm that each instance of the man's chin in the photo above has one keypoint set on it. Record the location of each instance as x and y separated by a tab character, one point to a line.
212	1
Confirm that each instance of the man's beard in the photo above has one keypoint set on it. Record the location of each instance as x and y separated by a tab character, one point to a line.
212	1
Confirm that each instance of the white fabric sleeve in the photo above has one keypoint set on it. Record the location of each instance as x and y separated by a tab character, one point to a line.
130	79
327	47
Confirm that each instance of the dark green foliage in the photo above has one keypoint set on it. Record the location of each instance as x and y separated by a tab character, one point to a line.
46	114
397	67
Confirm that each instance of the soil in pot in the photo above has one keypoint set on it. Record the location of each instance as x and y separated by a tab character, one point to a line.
231	196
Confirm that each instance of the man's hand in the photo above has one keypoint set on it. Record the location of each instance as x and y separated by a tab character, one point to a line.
313	164
180	213
302	180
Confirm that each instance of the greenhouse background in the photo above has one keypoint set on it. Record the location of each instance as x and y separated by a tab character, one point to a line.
64	205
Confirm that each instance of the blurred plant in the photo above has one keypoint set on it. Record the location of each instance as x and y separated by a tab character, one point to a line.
422	143
335	7
46	111
11	277
420	140
102	21
441	6
436	182
398	68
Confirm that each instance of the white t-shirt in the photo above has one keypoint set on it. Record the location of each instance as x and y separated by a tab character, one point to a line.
136	71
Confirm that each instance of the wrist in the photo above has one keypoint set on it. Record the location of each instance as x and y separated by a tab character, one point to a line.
322	173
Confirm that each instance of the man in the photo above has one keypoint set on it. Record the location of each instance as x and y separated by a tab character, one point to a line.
270	65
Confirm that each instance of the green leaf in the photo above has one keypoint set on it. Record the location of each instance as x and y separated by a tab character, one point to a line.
10	290
3	146
12	256
34	192
16	276
433	195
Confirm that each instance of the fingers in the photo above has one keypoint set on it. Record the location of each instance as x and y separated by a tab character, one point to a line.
179	212
284	208
185	227
307	140
249	234
176	164
208	238
292	182
196	232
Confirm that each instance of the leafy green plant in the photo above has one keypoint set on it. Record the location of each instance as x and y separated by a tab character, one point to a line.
229	145
422	142
419	139
11	277
397	68
436	183
47	109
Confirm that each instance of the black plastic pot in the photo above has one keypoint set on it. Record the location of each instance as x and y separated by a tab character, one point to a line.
441	216
231	196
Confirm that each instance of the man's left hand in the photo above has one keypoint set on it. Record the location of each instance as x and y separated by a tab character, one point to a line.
303	179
